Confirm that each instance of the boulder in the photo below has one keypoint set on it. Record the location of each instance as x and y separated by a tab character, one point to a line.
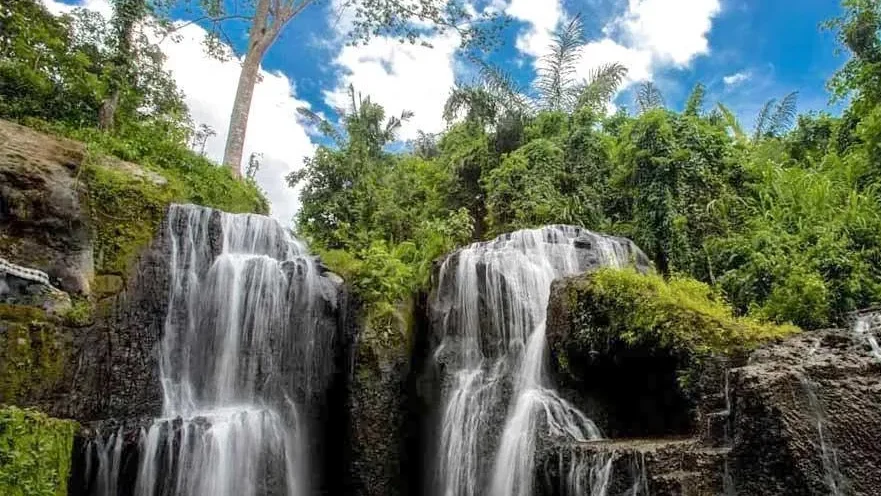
806	417
44	223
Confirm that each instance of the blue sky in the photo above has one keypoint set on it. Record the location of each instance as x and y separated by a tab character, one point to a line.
745	51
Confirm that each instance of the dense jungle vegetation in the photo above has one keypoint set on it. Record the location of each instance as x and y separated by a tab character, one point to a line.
783	221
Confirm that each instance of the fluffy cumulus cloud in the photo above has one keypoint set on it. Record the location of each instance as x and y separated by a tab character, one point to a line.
209	87
541	18
736	79
400	76
649	35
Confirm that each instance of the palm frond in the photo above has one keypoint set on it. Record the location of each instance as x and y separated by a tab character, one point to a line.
600	86
504	88
556	73
695	104
323	125
731	121
648	97
784	115
477	103
763	119
391	128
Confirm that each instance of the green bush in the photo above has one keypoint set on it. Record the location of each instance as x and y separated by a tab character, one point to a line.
682	315
35	453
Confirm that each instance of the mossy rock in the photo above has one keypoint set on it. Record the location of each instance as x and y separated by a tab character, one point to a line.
107	285
33	352
35	453
21	313
126	211
592	314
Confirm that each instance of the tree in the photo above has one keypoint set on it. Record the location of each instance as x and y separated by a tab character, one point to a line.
648	97
695	103
126	15
402	19
65	70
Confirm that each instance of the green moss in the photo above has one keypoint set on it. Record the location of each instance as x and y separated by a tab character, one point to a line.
21	313
388	329
126	211
107	285
32	357
683	316
80	314
35	453
127	203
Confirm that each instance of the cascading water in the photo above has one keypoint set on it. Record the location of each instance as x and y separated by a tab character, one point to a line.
493	351
103	456
241	359
835	481
863	328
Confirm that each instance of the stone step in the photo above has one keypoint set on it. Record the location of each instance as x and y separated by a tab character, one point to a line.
664	466
714	428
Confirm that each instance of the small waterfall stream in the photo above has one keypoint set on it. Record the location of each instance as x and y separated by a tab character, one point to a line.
240	360
835	480
864	329
498	397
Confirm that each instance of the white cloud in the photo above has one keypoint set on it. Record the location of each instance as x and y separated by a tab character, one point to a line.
647	36
542	18
209	87
400	76
736	78
673	31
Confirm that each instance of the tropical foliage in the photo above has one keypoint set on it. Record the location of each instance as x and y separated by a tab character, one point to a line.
63	74
782	221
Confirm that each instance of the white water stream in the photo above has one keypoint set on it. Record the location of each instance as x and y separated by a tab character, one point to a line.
499	398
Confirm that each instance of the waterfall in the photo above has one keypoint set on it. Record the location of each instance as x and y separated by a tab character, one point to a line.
103	457
498	397
835	481
240	360
863	329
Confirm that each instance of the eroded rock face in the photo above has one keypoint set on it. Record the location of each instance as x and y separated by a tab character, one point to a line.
43	221
110	360
641	466
819	385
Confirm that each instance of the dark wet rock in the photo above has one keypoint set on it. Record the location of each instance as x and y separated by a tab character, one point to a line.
44	222
633	466
788	393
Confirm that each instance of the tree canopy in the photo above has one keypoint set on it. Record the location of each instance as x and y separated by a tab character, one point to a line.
784	221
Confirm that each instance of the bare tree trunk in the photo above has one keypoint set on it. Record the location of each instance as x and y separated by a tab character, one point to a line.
238	120
270	16
259	39
107	112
